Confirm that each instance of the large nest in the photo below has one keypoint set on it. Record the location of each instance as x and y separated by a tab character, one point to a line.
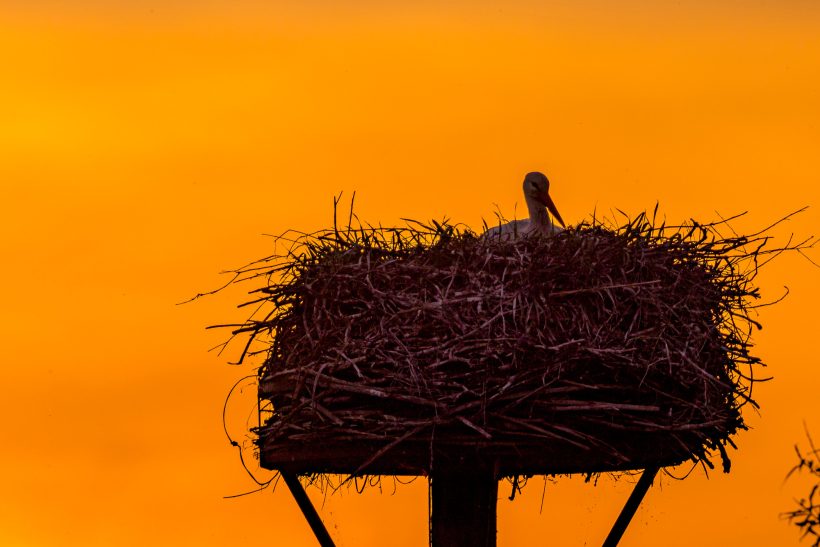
397	350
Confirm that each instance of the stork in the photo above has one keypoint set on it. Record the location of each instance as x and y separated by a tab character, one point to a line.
536	194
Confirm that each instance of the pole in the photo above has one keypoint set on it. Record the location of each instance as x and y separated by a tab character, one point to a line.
308	510
463	508
631	506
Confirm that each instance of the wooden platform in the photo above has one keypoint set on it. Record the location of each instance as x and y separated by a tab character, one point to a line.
421	457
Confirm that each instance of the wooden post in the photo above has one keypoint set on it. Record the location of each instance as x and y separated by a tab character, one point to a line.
463	508
631	506
302	500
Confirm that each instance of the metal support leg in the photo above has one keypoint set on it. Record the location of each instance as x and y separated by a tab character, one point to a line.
631	506
308	510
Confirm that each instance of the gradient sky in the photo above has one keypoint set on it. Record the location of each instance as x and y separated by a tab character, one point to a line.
146	146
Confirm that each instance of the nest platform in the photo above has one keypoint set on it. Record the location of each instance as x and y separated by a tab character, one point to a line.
407	350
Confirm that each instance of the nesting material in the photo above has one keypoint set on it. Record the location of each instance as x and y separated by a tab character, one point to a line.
602	348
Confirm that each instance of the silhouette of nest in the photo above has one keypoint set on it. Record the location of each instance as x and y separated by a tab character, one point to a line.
606	347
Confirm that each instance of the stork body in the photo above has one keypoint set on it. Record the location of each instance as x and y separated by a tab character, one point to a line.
539	205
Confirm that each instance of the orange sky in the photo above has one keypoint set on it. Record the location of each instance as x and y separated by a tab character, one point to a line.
146	147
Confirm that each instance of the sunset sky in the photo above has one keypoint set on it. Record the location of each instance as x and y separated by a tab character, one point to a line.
145	146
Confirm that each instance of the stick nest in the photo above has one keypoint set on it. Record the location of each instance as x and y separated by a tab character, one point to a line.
601	348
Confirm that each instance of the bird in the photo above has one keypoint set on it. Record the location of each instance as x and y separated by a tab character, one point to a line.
536	194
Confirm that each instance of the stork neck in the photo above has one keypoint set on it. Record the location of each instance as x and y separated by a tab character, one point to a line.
539	217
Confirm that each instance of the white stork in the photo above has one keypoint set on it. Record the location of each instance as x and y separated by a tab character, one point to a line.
536	194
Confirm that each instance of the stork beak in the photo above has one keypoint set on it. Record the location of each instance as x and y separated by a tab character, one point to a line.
546	200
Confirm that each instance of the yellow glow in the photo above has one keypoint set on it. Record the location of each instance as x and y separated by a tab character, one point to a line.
147	146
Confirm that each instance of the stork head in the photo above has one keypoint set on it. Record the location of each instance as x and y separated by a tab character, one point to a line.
537	189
